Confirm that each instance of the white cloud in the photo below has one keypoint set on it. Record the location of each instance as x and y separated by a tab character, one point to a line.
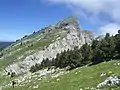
94	6
110	28
90	9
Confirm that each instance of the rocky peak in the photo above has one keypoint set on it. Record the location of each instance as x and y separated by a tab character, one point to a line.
54	39
68	22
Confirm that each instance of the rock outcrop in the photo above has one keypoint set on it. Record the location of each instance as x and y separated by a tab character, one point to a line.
110	81
72	36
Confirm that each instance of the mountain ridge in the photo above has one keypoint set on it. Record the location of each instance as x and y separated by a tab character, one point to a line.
62	57
46	43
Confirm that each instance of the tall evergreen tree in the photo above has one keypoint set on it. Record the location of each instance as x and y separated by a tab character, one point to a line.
87	53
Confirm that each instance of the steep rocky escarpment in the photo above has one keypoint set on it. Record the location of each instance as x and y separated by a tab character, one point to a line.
46	43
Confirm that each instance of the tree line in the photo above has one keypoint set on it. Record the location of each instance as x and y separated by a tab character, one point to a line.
99	51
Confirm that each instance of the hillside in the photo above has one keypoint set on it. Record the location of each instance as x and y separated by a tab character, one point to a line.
20	56
46	43
84	78
61	57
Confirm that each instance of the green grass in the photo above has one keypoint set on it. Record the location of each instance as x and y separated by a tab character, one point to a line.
86	77
37	45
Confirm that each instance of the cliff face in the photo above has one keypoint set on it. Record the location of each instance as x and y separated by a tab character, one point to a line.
46	44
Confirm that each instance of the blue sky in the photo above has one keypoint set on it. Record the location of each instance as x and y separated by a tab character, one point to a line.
21	17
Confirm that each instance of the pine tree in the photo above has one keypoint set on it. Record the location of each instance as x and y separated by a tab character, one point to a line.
87	53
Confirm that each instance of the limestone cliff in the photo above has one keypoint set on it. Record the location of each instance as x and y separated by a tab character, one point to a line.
49	41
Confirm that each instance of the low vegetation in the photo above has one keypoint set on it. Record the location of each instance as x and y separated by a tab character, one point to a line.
82	78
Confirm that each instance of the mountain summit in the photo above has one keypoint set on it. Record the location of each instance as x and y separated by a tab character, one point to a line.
46	43
69	21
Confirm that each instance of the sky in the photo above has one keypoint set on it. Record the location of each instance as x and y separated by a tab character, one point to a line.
22	17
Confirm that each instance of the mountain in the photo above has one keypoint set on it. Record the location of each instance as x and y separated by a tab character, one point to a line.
95	62
46	43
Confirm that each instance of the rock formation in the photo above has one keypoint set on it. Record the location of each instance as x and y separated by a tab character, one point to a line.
68	36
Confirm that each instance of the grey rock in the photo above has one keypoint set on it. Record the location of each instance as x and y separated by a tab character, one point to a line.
74	36
110	81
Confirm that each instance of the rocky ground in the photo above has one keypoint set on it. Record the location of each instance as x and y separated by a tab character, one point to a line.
104	76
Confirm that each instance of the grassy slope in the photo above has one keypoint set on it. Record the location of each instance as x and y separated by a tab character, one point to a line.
85	77
46	39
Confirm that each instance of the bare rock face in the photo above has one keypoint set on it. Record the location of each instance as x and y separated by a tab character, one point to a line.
72	36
